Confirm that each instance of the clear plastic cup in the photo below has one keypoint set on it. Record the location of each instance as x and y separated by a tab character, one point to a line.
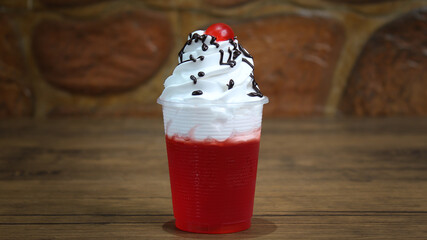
213	156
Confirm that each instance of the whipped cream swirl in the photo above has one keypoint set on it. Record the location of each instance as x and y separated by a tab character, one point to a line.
211	71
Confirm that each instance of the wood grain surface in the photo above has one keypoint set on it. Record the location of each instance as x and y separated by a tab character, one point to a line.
317	179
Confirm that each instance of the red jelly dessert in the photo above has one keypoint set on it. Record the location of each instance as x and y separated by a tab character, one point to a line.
213	183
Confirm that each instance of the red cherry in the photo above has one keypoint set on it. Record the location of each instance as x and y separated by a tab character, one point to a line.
221	31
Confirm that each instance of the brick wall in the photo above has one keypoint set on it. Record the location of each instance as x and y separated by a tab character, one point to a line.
106	58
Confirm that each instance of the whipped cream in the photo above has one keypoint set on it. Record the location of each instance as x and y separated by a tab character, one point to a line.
233	122
212	72
212	93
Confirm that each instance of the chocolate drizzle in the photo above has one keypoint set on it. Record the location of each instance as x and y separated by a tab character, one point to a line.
236	54
193	59
181	52
230	84
257	92
196	37
229	62
245	53
212	42
197	92
247	61
232	63
235	50
232	42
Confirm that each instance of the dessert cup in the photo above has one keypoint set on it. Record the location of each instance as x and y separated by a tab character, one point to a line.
213	156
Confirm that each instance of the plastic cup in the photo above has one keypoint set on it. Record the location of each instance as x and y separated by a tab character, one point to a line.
213	157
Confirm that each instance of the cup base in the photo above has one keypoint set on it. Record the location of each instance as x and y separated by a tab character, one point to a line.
213	228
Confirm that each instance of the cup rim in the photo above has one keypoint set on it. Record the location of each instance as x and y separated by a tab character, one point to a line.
263	100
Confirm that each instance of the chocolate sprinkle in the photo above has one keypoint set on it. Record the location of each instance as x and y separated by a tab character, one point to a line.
230	84
201	74
192	77
197	92
255	94
204	47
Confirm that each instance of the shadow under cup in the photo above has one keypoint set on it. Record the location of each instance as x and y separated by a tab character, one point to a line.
213	157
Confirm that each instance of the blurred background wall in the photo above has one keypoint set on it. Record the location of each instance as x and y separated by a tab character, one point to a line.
109	58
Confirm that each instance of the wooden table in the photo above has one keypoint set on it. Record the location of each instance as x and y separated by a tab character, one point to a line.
317	179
